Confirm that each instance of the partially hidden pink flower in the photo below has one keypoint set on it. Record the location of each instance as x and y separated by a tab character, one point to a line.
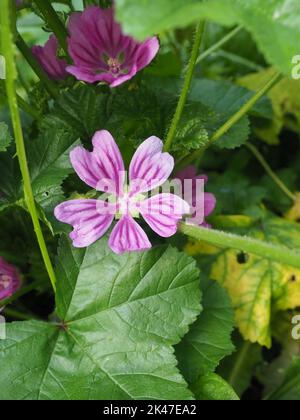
103	169
101	52
48	58
10	280
190	174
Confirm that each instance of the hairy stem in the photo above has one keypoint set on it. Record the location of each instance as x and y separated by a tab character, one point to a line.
270	171
232	121
219	44
8	51
26	52
245	108
54	23
186	86
246	244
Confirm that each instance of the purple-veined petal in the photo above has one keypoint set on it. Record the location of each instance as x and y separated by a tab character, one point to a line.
87	76
10	280
210	202
150	167
128	236
103	168
90	219
146	52
101	52
47	56
202	206
163	212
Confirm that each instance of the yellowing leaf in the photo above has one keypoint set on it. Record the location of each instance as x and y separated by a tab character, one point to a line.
286	104
259	287
194	248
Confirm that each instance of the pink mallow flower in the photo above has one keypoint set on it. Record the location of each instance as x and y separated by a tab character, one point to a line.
190	195
48	58
9	279
101	52
103	169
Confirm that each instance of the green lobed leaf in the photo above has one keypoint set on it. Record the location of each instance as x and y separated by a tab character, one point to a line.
278	18
209	339
120	316
82	110
49	164
191	132
145	112
213	103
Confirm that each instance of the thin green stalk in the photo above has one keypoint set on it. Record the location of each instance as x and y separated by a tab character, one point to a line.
26	52
232	121
270	171
23	291
246	244
239	364
186	86
245	108
239	60
54	23
8	51
219	44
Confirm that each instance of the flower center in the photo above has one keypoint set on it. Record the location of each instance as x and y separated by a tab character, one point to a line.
115	66
4	282
127	205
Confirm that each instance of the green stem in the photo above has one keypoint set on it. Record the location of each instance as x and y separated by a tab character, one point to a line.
186	86
219	44
246	244
232	121
54	23
49	85
239	60
239	364
23	291
245	108
270	171
8	51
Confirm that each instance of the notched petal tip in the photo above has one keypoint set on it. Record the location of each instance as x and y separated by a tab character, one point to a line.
150	165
